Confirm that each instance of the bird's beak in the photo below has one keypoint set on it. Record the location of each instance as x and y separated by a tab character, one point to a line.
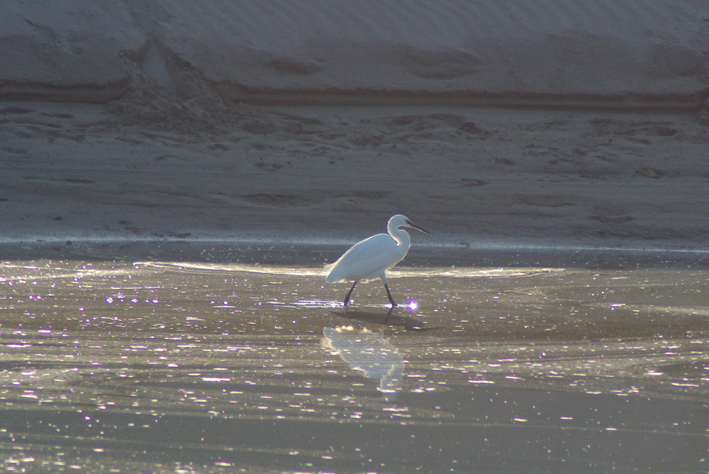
414	226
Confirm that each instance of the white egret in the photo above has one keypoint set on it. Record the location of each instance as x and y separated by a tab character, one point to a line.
372	257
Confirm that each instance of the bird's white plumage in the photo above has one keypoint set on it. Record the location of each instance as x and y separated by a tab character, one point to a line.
369	259
372	257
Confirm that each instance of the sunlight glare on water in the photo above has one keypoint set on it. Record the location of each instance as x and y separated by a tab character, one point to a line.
130	367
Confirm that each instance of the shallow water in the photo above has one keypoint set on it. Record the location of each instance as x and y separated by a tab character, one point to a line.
114	366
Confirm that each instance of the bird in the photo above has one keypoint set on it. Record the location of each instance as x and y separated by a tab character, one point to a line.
372	257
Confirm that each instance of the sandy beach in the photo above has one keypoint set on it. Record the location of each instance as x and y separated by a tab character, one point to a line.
474	177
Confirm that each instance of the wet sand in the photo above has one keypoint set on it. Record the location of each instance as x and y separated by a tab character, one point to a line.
224	364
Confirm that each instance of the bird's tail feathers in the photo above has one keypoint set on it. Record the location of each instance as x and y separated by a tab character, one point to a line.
328	270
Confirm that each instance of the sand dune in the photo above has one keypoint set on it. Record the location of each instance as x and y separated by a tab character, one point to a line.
577	53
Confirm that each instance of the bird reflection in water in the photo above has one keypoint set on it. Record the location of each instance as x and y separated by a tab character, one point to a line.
369	353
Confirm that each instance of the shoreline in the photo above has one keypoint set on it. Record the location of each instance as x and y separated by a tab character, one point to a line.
284	254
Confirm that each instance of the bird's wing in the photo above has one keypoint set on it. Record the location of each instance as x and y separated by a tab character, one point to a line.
366	259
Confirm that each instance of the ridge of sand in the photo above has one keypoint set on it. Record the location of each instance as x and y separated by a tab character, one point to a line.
580	53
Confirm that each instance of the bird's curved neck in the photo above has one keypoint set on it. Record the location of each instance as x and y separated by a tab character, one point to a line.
401	236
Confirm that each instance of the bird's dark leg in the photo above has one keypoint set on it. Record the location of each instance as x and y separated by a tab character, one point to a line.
391	310
389	295
347	298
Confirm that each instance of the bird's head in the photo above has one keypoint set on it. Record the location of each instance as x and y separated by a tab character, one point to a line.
399	221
